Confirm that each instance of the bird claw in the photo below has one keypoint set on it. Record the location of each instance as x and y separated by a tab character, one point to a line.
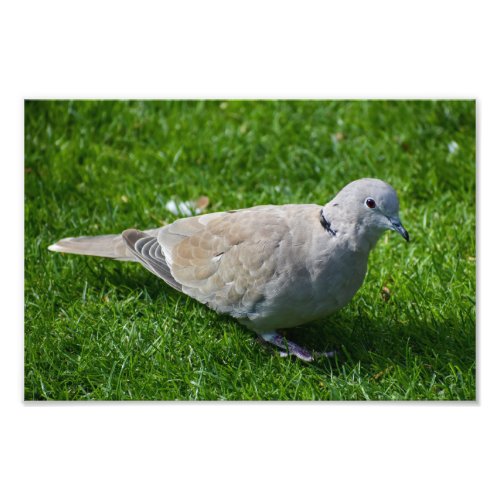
289	348
300	353
327	354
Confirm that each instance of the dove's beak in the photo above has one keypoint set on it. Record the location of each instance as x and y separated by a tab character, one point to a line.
397	226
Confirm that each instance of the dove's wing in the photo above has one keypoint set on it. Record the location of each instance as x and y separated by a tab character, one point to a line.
146	250
226	260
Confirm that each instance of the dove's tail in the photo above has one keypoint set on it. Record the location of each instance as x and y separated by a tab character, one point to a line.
111	246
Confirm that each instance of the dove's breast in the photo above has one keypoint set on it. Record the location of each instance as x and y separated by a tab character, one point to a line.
312	289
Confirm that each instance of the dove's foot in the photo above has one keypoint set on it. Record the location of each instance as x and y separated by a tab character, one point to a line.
313	355
287	347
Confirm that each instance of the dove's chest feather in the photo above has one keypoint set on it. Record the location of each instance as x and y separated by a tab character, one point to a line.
315	275
326	275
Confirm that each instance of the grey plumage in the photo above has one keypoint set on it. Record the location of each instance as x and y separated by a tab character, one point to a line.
271	267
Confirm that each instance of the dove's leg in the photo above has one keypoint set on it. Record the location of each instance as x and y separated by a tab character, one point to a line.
287	347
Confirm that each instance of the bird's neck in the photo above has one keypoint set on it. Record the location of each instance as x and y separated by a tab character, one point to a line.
342	225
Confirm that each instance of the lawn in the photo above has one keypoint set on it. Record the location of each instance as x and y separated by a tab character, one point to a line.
97	329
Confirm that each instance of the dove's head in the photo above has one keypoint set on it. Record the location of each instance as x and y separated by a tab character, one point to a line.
371	205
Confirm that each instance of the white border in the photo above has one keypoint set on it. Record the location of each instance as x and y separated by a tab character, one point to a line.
316	49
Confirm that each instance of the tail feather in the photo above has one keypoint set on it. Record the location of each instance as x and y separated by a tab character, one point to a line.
111	246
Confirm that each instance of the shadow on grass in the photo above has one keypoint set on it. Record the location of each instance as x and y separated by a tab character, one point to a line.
369	342
124	277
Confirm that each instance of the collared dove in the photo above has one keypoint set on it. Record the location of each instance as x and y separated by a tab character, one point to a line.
271	267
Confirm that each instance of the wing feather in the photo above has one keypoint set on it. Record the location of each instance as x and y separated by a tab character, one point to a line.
219	259
148	252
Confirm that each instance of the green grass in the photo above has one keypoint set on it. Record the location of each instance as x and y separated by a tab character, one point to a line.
102	330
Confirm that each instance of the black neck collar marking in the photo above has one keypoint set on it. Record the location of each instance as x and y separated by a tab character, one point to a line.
327	225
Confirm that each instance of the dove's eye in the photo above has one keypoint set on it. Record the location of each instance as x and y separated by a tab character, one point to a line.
370	203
